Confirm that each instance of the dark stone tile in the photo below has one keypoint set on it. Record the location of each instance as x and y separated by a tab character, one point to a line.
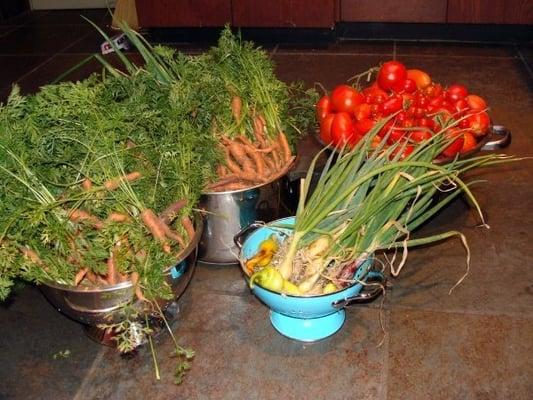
328	69
41	39
459	356
24	18
32	333
59	65
14	67
71	17
340	47
454	49
238	353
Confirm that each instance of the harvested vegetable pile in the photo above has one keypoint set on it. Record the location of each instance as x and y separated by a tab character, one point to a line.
232	94
99	177
368	202
422	108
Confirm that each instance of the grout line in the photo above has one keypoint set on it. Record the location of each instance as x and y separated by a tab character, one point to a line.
526	64
384	376
52	56
329	53
86	380
513	314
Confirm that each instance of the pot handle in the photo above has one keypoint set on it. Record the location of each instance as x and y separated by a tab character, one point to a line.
502	142
238	239
366	295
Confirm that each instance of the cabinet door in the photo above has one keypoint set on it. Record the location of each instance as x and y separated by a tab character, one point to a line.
261	13
284	13
393	10
490	11
188	13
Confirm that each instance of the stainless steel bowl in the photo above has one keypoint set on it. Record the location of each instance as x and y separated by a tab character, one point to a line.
226	213
94	306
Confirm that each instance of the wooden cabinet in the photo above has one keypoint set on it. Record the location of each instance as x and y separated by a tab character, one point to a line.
241	13
284	13
186	13
393	10
490	11
324	13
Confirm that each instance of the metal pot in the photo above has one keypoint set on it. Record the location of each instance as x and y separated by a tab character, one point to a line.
226	213
93	306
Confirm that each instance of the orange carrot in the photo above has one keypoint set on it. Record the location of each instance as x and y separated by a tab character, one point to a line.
91	277
78	215
117	217
114	183
232	186
284	143
31	255
122	277
259	131
79	276
236	106
189	228
275	156
86	184
153	223
258	160
173	235
222	181
222	170
285	169
172	210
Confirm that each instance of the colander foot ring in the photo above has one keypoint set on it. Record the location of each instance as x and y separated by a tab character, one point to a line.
310	329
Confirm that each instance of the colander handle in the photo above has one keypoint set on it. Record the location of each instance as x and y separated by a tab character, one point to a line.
502	142
238	239
367	294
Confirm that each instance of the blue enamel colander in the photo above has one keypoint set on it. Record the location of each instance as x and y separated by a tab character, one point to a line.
309	318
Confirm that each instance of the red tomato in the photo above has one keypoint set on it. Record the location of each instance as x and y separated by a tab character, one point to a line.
421	79
374	95
461	106
363	126
391	75
420	135
433	90
325	128
344	98
456	145
476	102
407	150
409	86
392	104
479	123
408	123
426	123
421	100
469	142
386	128
342	129
362	111
402	116
323	108
436	101
456	92
396	135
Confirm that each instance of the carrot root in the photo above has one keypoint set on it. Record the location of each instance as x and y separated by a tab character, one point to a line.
172	210
79	276
114	183
189	228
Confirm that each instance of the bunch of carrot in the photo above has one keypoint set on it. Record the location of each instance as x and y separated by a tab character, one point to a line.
250	162
158	226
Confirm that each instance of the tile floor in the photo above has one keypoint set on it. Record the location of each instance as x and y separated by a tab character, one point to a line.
473	344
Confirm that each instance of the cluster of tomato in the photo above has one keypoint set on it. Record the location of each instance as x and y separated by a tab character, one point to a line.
422	108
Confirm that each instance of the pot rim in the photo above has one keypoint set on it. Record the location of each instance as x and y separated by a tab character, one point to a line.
272	180
247	278
128	284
